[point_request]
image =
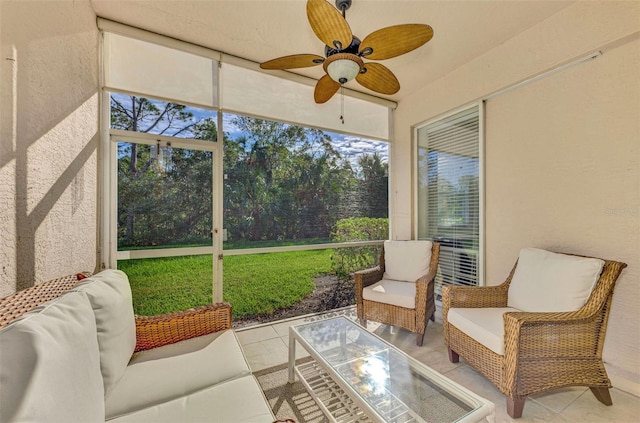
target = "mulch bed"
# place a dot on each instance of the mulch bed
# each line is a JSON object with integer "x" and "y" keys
{"x": 329, "y": 293}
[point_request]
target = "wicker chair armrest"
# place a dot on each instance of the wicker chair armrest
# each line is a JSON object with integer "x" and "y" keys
{"x": 362, "y": 279}
{"x": 475, "y": 296}
{"x": 164, "y": 329}
{"x": 550, "y": 334}
{"x": 427, "y": 277}
{"x": 523, "y": 318}
{"x": 367, "y": 277}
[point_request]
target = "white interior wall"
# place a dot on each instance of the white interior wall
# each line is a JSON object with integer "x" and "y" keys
{"x": 562, "y": 154}
{"x": 49, "y": 139}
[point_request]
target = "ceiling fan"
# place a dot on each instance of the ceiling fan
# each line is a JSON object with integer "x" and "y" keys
{"x": 344, "y": 52}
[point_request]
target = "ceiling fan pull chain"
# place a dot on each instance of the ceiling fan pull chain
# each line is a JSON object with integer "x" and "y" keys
{"x": 342, "y": 104}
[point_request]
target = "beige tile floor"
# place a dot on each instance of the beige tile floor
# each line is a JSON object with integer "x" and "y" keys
{"x": 267, "y": 345}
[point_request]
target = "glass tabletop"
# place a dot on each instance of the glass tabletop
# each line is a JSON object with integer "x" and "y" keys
{"x": 394, "y": 385}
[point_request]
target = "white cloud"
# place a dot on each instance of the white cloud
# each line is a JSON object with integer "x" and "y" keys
{"x": 351, "y": 147}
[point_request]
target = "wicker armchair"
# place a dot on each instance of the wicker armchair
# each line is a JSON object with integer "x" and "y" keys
{"x": 542, "y": 350}
{"x": 151, "y": 331}
{"x": 412, "y": 319}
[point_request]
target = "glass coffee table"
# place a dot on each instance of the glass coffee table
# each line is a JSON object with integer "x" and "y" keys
{"x": 357, "y": 376}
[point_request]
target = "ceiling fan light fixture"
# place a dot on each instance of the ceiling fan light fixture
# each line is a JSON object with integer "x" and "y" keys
{"x": 343, "y": 67}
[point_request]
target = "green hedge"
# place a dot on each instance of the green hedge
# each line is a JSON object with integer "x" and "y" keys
{"x": 345, "y": 261}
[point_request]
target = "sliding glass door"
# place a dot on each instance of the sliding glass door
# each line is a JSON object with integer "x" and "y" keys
{"x": 449, "y": 194}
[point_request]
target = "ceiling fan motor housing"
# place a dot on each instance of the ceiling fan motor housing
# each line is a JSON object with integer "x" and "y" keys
{"x": 351, "y": 48}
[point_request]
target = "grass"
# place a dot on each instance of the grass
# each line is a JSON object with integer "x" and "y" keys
{"x": 253, "y": 284}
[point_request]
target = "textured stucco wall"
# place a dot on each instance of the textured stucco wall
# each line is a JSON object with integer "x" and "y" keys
{"x": 49, "y": 139}
{"x": 562, "y": 154}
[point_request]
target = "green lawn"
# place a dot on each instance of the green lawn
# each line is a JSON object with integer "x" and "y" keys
{"x": 253, "y": 284}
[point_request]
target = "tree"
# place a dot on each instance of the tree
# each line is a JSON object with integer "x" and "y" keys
{"x": 284, "y": 181}
{"x": 161, "y": 189}
{"x": 374, "y": 183}
{"x": 367, "y": 193}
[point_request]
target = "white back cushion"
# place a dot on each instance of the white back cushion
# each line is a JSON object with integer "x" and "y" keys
{"x": 110, "y": 296}
{"x": 545, "y": 281}
{"x": 406, "y": 260}
{"x": 50, "y": 364}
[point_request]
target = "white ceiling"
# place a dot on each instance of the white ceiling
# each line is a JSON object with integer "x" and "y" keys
{"x": 260, "y": 30}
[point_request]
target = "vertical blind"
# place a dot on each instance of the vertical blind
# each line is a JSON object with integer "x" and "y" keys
{"x": 448, "y": 194}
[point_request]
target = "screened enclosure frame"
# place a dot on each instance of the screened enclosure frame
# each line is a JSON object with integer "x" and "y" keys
{"x": 107, "y": 153}
{"x": 162, "y": 141}
{"x": 480, "y": 262}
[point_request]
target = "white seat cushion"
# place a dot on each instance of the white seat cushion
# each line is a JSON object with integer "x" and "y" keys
{"x": 485, "y": 325}
{"x": 173, "y": 371}
{"x": 239, "y": 400}
{"x": 110, "y": 296}
{"x": 545, "y": 281}
{"x": 387, "y": 291}
{"x": 50, "y": 364}
{"x": 406, "y": 260}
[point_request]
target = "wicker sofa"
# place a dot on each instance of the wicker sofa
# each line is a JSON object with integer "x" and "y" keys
{"x": 80, "y": 355}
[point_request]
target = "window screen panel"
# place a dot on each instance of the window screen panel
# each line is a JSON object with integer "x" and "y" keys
{"x": 291, "y": 185}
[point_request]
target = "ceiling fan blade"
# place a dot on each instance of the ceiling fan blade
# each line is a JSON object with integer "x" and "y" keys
{"x": 325, "y": 89}
{"x": 378, "y": 78}
{"x": 395, "y": 40}
{"x": 328, "y": 24}
{"x": 293, "y": 62}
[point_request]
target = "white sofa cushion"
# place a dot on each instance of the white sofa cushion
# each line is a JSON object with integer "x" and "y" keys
{"x": 50, "y": 364}
{"x": 173, "y": 371}
{"x": 387, "y": 291}
{"x": 485, "y": 325}
{"x": 235, "y": 401}
{"x": 545, "y": 281}
{"x": 110, "y": 296}
{"x": 406, "y": 260}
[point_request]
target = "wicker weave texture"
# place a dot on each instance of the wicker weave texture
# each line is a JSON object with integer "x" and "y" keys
{"x": 164, "y": 329}
{"x": 151, "y": 331}
{"x": 542, "y": 350}
{"x": 21, "y": 302}
{"x": 414, "y": 320}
